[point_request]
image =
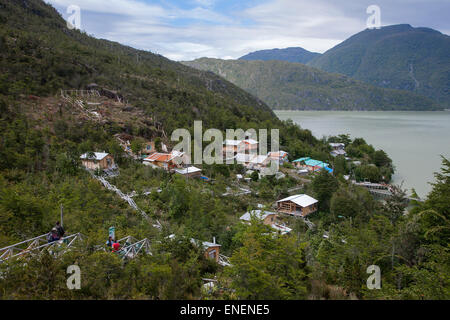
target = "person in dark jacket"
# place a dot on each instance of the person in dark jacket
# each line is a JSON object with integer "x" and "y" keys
{"x": 60, "y": 230}
{"x": 53, "y": 235}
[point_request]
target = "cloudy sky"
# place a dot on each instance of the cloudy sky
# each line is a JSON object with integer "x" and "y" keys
{"x": 228, "y": 29}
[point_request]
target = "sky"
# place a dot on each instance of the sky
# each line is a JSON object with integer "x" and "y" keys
{"x": 228, "y": 29}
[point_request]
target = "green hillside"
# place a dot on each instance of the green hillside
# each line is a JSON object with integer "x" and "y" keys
{"x": 43, "y": 133}
{"x": 293, "y": 86}
{"x": 40, "y": 55}
{"x": 398, "y": 57}
{"x": 295, "y": 54}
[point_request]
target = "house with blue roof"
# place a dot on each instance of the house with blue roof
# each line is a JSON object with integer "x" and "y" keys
{"x": 312, "y": 165}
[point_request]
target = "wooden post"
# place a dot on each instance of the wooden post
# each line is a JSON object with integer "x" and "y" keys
{"x": 62, "y": 213}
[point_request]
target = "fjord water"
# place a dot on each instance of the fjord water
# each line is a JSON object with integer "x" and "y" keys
{"x": 414, "y": 140}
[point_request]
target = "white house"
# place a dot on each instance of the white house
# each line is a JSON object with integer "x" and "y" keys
{"x": 190, "y": 172}
{"x": 338, "y": 149}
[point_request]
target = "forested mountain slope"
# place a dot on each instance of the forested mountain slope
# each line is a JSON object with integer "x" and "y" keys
{"x": 43, "y": 134}
{"x": 40, "y": 55}
{"x": 284, "y": 85}
{"x": 398, "y": 57}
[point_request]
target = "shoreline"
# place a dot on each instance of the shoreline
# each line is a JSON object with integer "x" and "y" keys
{"x": 335, "y": 110}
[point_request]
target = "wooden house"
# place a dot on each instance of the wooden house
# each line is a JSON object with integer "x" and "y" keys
{"x": 189, "y": 172}
{"x": 312, "y": 165}
{"x": 97, "y": 161}
{"x": 148, "y": 147}
{"x": 248, "y": 145}
{"x": 230, "y": 147}
{"x": 267, "y": 217}
{"x": 212, "y": 250}
{"x": 166, "y": 161}
{"x": 297, "y": 205}
{"x": 280, "y": 156}
{"x": 338, "y": 149}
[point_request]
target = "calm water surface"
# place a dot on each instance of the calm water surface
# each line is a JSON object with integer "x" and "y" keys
{"x": 414, "y": 140}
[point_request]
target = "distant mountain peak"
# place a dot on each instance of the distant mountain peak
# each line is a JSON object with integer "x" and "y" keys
{"x": 291, "y": 54}
{"x": 397, "y": 57}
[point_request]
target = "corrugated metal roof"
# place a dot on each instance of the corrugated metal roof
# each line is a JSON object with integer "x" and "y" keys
{"x": 337, "y": 145}
{"x": 250, "y": 141}
{"x": 313, "y": 163}
{"x": 280, "y": 154}
{"x": 302, "y": 200}
{"x": 244, "y": 157}
{"x": 188, "y": 170}
{"x": 159, "y": 157}
{"x": 259, "y": 159}
{"x": 97, "y": 156}
{"x": 281, "y": 228}
{"x": 163, "y": 157}
{"x": 232, "y": 142}
{"x": 259, "y": 214}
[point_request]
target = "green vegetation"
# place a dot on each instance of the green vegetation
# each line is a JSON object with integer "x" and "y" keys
{"x": 295, "y": 54}
{"x": 397, "y": 57}
{"x": 40, "y": 170}
{"x": 374, "y": 165}
{"x": 39, "y": 56}
{"x": 293, "y": 86}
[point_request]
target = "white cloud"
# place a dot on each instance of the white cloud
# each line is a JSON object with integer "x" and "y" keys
{"x": 205, "y": 3}
{"x": 185, "y": 34}
{"x": 132, "y": 8}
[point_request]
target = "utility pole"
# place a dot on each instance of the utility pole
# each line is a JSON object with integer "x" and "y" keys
{"x": 62, "y": 213}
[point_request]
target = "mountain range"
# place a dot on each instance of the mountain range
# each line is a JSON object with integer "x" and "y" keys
{"x": 413, "y": 61}
{"x": 294, "y": 86}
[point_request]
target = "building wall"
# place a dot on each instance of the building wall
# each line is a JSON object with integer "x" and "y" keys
{"x": 213, "y": 253}
{"x": 193, "y": 174}
{"x": 149, "y": 150}
{"x": 247, "y": 147}
{"x": 291, "y": 208}
{"x": 102, "y": 164}
{"x": 270, "y": 219}
{"x": 309, "y": 210}
{"x": 231, "y": 149}
{"x": 165, "y": 165}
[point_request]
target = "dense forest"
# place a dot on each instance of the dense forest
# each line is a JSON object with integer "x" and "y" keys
{"x": 42, "y": 137}
{"x": 397, "y": 57}
{"x": 295, "y": 86}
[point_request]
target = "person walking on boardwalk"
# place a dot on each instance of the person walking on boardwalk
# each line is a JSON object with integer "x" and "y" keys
{"x": 60, "y": 230}
{"x": 52, "y": 235}
{"x": 110, "y": 242}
